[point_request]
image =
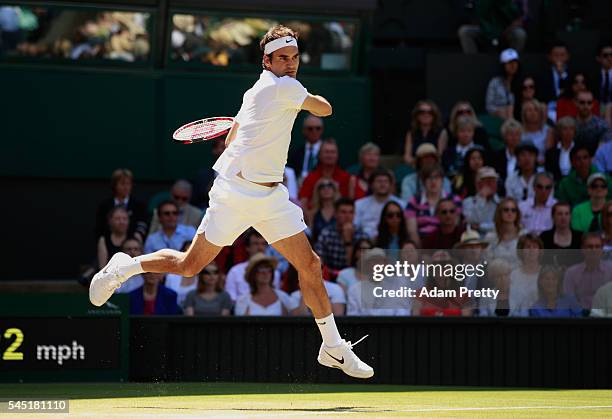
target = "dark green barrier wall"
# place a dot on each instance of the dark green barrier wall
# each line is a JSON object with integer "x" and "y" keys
{"x": 83, "y": 123}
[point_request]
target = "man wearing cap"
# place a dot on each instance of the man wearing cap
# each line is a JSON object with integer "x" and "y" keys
{"x": 500, "y": 99}
{"x": 479, "y": 210}
{"x": 587, "y": 216}
{"x": 519, "y": 185}
{"x": 426, "y": 156}
{"x": 573, "y": 187}
{"x": 535, "y": 211}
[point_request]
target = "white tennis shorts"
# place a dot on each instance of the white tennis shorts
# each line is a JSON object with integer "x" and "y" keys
{"x": 237, "y": 204}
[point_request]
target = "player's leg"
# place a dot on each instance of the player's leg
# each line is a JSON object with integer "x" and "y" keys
{"x": 189, "y": 263}
{"x": 121, "y": 266}
{"x": 334, "y": 352}
{"x": 297, "y": 250}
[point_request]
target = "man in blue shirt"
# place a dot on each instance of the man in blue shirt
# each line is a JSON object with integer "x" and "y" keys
{"x": 172, "y": 235}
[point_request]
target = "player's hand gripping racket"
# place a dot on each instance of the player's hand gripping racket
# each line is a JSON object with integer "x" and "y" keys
{"x": 203, "y": 130}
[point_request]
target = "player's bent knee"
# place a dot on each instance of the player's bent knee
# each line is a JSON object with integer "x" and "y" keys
{"x": 189, "y": 267}
{"x": 310, "y": 265}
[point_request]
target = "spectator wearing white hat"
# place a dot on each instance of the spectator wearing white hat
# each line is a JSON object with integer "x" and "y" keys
{"x": 500, "y": 97}
{"x": 479, "y": 210}
{"x": 426, "y": 156}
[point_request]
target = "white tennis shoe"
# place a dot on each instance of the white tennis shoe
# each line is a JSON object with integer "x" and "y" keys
{"x": 105, "y": 282}
{"x": 343, "y": 357}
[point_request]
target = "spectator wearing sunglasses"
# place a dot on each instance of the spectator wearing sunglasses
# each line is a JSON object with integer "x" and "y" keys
{"x": 535, "y": 211}
{"x": 590, "y": 129}
{"x": 322, "y": 212}
{"x": 209, "y": 298}
{"x": 574, "y": 84}
{"x": 188, "y": 214}
{"x": 368, "y": 210}
{"x": 464, "y": 108}
{"x": 172, "y": 234}
{"x": 503, "y": 240}
{"x": 425, "y": 127}
{"x": 305, "y": 158}
{"x": 449, "y": 230}
{"x": 586, "y": 217}
{"x": 392, "y": 232}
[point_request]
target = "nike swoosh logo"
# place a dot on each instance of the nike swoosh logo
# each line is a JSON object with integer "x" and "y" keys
{"x": 339, "y": 360}
{"x": 288, "y": 41}
{"x": 322, "y": 323}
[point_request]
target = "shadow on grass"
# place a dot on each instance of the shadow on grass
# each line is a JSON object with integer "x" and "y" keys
{"x": 129, "y": 390}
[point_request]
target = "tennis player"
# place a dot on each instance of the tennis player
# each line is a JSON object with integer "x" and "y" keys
{"x": 248, "y": 192}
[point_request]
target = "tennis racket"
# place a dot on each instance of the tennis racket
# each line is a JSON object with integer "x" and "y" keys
{"x": 203, "y": 130}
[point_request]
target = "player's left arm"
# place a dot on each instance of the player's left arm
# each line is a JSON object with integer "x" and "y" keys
{"x": 317, "y": 105}
{"x": 232, "y": 133}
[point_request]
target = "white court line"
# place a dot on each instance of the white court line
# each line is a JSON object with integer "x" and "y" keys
{"x": 454, "y": 409}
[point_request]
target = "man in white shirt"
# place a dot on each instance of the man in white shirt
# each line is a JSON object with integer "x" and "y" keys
{"x": 535, "y": 211}
{"x": 369, "y": 208}
{"x": 248, "y": 193}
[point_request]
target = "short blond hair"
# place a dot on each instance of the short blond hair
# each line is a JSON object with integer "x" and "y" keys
{"x": 510, "y": 124}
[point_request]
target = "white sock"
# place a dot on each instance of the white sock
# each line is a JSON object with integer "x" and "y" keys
{"x": 329, "y": 331}
{"x": 132, "y": 268}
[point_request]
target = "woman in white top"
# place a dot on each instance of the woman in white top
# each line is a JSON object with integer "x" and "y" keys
{"x": 524, "y": 278}
{"x": 503, "y": 240}
{"x": 264, "y": 299}
{"x": 535, "y": 129}
{"x": 353, "y": 274}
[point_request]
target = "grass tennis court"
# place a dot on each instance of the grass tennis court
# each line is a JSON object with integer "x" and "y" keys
{"x": 224, "y": 400}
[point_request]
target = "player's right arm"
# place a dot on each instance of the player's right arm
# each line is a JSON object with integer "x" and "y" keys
{"x": 317, "y": 105}
{"x": 232, "y": 133}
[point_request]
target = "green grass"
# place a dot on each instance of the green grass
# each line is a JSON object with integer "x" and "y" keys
{"x": 224, "y": 400}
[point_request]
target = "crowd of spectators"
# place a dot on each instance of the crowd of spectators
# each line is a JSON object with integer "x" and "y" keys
{"x": 75, "y": 34}
{"x": 461, "y": 197}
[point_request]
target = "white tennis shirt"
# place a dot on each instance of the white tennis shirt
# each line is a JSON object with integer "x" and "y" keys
{"x": 266, "y": 117}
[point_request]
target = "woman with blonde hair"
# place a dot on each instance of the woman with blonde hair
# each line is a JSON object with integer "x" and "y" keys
{"x": 322, "y": 212}
{"x": 465, "y": 108}
{"x": 425, "y": 127}
{"x": 503, "y": 240}
{"x": 535, "y": 128}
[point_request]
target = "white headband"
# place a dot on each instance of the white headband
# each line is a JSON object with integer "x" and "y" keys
{"x": 280, "y": 43}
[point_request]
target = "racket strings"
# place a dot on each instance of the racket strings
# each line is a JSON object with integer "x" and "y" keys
{"x": 204, "y": 129}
